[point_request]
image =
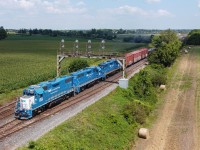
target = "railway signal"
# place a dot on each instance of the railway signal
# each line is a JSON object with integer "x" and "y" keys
{"x": 102, "y": 55}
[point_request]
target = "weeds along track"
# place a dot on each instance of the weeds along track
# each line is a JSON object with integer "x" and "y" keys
{"x": 16, "y": 125}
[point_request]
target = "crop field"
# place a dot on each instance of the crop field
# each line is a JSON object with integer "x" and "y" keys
{"x": 29, "y": 60}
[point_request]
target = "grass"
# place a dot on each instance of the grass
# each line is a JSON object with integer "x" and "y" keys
{"x": 97, "y": 127}
{"x": 196, "y": 53}
{"x": 27, "y": 60}
{"x": 100, "y": 126}
{"x": 197, "y": 95}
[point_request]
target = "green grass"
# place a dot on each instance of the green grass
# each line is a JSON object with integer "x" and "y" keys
{"x": 98, "y": 127}
{"x": 102, "y": 125}
{"x": 27, "y": 60}
{"x": 197, "y": 96}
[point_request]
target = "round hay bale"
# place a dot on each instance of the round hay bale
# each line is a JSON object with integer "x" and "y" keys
{"x": 143, "y": 133}
{"x": 186, "y": 51}
{"x": 162, "y": 87}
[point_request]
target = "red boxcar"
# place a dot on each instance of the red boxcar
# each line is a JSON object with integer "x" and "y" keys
{"x": 135, "y": 56}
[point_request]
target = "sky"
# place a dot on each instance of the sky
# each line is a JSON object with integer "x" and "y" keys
{"x": 100, "y": 14}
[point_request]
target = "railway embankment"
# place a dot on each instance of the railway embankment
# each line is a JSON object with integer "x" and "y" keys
{"x": 36, "y": 127}
{"x": 112, "y": 122}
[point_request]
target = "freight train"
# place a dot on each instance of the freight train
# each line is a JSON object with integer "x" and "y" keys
{"x": 37, "y": 98}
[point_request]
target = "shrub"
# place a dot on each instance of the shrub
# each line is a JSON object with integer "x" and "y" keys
{"x": 77, "y": 65}
{"x": 142, "y": 84}
{"x": 136, "y": 112}
{"x": 158, "y": 79}
{"x": 157, "y": 74}
{"x": 31, "y": 144}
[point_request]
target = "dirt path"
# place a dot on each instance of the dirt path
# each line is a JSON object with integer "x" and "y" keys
{"x": 177, "y": 125}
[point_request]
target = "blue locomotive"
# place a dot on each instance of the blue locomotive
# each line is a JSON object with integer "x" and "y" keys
{"x": 37, "y": 98}
{"x": 110, "y": 67}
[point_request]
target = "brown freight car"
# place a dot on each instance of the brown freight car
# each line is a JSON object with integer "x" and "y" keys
{"x": 135, "y": 56}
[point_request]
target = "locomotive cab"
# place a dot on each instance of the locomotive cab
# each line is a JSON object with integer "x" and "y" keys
{"x": 23, "y": 109}
{"x": 24, "y": 106}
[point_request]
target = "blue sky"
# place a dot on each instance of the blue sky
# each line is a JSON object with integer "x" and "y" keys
{"x": 100, "y": 14}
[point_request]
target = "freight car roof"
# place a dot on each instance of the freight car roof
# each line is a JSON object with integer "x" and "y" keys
{"x": 134, "y": 52}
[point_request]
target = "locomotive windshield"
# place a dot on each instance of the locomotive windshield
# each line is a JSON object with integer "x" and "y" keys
{"x": 28, "y": 92}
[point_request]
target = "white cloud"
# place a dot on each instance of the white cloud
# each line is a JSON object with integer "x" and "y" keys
{"x": 162, "y": 12}
{"x": 199, "y": 4}
{"x": 26, "y": 4}
{"x": 132, "y": 10}
{"x": 126, "y": 9}
{"x": 153, "y": 1}
{"x": 49, "y": 6}
{"x": 53, "y": 10}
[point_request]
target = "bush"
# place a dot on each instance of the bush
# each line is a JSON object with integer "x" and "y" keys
{"x": 31, "y": 144}
{"x": 142, "y": 84}
{"x": 158, "y": 79}
{"x": 77, "y": 65}
{"x": 126, "y": 93}
{"x": 193, "y": 37}
{"x": 136, "y": 112}
{"x": 158, "y": 75}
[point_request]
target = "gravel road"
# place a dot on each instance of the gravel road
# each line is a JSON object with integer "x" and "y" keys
{"x": 177, "y": 125}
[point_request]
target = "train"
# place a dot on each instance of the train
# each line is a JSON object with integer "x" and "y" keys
{"x": 37, "y": 98}
{"x": 135, "y": 56}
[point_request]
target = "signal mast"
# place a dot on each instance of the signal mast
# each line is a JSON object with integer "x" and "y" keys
{"x": 76, "y": 53}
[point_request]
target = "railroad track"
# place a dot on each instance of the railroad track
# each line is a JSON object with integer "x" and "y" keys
{"x": 16, "y": 125}
{"x": 7, "y": 110}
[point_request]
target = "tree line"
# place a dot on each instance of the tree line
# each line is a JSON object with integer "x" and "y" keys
{"x": 93, "y": 33}
{"x": 138, "y": 39}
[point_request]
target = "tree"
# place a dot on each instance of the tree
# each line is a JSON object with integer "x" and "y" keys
{"x": 78, "y": 64}
{"x": 142, "y": 86}
{"x": 167, "y": 47}
{"x": 3, "y": 33}
{"x": 193, "y": 38}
